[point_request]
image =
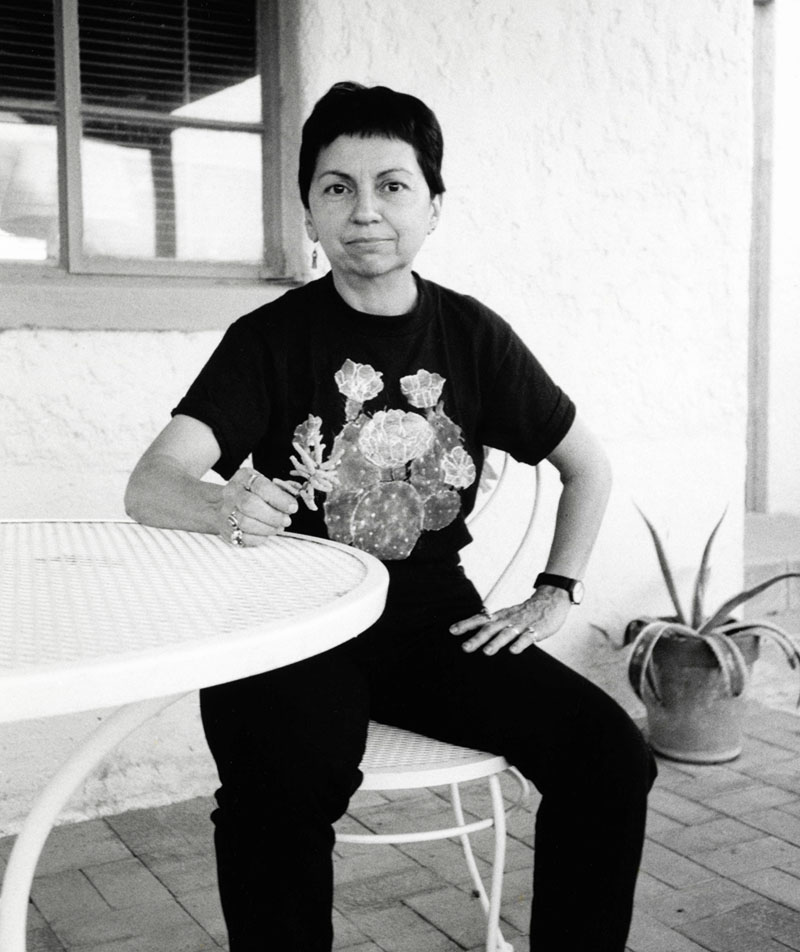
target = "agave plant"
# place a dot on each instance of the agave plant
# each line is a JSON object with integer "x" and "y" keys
{"x": 715, "y": 630}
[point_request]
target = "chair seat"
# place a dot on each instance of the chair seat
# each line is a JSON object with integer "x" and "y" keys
{"x": 397, "y": 759}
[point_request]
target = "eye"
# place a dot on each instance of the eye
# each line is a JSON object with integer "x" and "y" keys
{"x": 337, "y": 188}
{"x": 394, "y": 187}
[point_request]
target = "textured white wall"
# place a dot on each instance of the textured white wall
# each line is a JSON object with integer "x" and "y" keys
{"x": 598, "y": 169}
{"x": 78, "y": 408}
{"x": 783, "y": 493}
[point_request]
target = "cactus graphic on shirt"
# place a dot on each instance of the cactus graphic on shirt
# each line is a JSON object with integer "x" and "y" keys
{"x": 391, "y": 475}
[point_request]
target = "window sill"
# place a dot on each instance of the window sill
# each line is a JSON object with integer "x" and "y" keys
{"x": 50, "y": 298}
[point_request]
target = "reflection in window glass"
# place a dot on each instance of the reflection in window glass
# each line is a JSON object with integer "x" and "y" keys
{"x": 28, "y": 177}
{"x": 190, "y": 194}
{"x": 218, "y": 180}
{"x": 28, "y": 190}
{"x": 118, "y": 205}
{"x": 218, "y": 195}
{"x": 163, "y": 54}
{"x": 168, "y": 115}
{"x": 151, "y": 188}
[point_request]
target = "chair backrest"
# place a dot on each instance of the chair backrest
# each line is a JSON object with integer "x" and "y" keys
{"x": 496, "y": 494}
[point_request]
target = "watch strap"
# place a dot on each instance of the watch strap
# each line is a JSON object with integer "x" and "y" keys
{"x": 559, "y": 581}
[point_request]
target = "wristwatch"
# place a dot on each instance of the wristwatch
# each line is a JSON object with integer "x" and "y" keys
{"x": 573, "y": 586}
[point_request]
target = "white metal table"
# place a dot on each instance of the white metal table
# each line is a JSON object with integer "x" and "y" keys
{"x": 114, "y": 614}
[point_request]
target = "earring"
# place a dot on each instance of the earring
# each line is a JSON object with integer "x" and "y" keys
{"x": 314, "y": 259}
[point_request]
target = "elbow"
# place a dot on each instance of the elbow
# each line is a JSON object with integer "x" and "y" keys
{"x": 131, "y": 501}
{"x": 136, "y": 495}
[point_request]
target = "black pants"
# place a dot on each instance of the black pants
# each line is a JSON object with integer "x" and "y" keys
{"x": 288, "y": 743}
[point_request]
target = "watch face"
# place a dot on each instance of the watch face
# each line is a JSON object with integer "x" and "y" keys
{"x": 577, "y": 593}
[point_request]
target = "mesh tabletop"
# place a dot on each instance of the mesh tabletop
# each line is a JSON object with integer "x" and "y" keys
{"x": 82, "y": 598}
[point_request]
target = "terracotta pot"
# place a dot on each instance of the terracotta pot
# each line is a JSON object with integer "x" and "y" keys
{"x": 696, "y": 721}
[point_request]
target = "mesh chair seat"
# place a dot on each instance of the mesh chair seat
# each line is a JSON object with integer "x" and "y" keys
{"x": 397, "y": 759}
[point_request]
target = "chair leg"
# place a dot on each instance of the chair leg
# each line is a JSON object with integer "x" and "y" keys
{"x": 491, "y": 905}
{"x": 494, "y": 937}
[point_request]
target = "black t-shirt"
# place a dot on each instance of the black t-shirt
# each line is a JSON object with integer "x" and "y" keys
{"x": 404, "y": 404}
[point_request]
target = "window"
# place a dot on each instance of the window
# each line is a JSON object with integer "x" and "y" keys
{"x": 139, "y": 136}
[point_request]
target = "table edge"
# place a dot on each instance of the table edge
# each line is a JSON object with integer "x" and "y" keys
{"x": 74, "y": 687}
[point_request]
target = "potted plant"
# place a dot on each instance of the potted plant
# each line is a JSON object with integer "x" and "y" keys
{"x": 691, "y": 670}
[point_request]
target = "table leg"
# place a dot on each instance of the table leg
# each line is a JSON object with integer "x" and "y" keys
{"x": 31, "y": 838}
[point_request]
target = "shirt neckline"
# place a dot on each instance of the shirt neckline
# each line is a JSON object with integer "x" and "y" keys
{"x": 381, "y": 325}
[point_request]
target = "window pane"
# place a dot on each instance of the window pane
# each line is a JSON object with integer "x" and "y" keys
{"x": 28, "y": 190}
{"x": 28, "y": 175}
{"x": 218, "y": 195}
{"x": 164, "y": 54}
{"x": 117, "y": 174}
{"x": 188, "y": 194}
{"x": 27, "y": 55}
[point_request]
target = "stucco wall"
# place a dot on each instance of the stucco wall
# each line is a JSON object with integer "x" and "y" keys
{"x": 783, "y": 492}
{"x": 598, "y": 170}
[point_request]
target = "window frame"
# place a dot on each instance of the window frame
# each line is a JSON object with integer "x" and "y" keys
{"x": 67, "y": 112}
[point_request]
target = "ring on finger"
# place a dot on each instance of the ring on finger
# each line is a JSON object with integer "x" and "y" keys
{"x": 250, "y": 481}
{"x": 236, "y": 537}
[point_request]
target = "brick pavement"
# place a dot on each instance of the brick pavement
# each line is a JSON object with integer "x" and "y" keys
{"x": 721, "y": 869}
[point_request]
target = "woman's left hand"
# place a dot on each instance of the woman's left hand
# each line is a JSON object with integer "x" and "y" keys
{"x": 517, "y": 627}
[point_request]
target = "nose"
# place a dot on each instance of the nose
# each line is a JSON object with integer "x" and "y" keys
{"x": 366, "y": 207}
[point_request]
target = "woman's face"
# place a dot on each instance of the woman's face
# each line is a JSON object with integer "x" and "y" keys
{"x": 370, "y": 206}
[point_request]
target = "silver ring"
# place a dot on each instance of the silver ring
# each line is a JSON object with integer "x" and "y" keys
{"x": 236, "y": 537}
{"x": 250, "y": 481}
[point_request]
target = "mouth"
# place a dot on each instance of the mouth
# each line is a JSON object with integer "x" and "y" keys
{"x": 366, "y": 242}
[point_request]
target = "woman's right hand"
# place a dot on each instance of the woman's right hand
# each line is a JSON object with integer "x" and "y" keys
{"x": 253, "y": 508}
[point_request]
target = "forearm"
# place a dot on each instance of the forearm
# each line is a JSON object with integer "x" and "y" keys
{"x": 167, "y": 489}
{"x": 581, "y": 508}
{"x": 162, "y": 493}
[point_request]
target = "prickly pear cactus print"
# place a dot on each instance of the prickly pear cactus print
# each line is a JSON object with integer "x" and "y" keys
{"x": 391, "y": 475}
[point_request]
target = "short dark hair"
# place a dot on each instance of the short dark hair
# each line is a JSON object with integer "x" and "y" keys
{"x": 350, "y": 109}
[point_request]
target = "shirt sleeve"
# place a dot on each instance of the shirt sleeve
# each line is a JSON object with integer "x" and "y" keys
{"x": 524, "y": 413}
{"x": 230, "y": 395}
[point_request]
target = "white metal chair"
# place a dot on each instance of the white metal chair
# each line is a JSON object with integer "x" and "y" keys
{"x": 397, "y": 759}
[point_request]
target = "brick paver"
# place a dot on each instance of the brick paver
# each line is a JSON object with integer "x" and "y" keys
{"x": 399, "y": 928}
{"x": 720, "y": 872}
{"x": 780, "y": 822}
{"x": 741, "y": 858}
{"x": 761, "y": 926}
{"x": 691, "y": 840}
{"x": 675, "y": 907}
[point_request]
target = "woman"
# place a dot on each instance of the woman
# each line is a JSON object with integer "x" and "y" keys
{"x": 367, "y": 397}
